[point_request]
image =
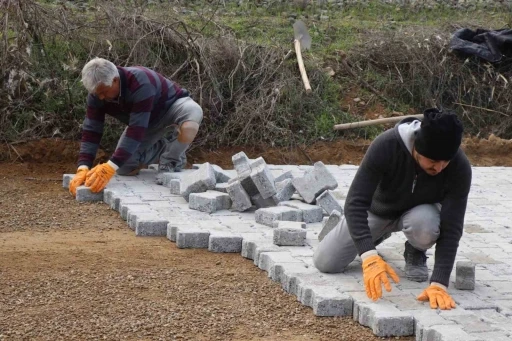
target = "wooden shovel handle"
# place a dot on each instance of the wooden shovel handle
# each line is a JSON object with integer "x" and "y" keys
{"x": 372, "y": 122}
{"x": 302, "y": 69}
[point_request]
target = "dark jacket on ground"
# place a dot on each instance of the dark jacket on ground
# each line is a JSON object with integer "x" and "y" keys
{"x": 383, "y": 185}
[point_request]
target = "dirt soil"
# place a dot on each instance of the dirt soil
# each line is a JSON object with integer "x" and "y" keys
{"x": 491, "y": 151}
{"x": 74, "y": 271}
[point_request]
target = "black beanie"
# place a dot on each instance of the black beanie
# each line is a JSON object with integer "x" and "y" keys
{"x": 440, "y": 135}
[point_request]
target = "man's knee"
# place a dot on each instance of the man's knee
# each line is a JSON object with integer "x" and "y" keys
{"x": 421, "y": 226}
{"x": 188, "y": 131}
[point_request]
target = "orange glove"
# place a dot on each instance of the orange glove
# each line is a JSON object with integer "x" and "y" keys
{"x": 375, "y": 271}
{"x": 78, "y": 179}
{"x": 99, "y": 176}
{"x": 438, "y": 297}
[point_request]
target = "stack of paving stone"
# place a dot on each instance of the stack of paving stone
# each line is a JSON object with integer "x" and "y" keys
{"x": 252, "y": 185}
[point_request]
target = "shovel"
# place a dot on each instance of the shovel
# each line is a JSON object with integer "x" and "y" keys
{"x": 302, "y": 42}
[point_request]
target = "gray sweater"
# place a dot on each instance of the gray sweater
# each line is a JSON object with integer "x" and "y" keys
{"x": 383, "y": 185}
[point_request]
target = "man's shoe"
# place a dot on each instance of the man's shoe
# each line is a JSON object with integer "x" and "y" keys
{"x": 167, "y": 168}
{"x": 415, "y": 264}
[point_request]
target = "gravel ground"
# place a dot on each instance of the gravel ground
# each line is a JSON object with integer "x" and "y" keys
{"x": 72, "y": 271}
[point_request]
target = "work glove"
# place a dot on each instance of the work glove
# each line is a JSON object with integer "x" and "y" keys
{"x": 78, "y": 179}
{"x": 438, "y": 297}
{"x": 99, "y": 176}
{"x": 375, "y": 271}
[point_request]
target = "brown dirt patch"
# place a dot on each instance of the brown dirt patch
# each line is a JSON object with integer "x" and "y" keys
{"x": 74, "y": 271}
{"x": 63, "y": 154}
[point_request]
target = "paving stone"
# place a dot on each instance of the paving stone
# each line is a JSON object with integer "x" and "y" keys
{"x": 241, "y": 163}
{"x": 285, "y": 190}
{"x": 239, "y": 197}
{"x": 327, "y": 301}
{"x": 328, "y": 202}
{"x": 471, "y": 323}
{"x": 151, "y": 226}
{"x": 426, "y": 318}
{"x": 259, "y": 202}
{"x": 315, "y": 182}
{"x": 464, "y": 275}
{"x": 66, "y": 179}
{"x": 263, "y": 180}
{"x": 289, "y": 224}
{"x": 224, "y": 242}
{"x": 470, "y": 301}
{"x": 289, "y": 275}
{"x": 221, "y": 175}
{"x": 289, "y": 236}
{"x": 263, "y": 247}
{"x": 137, "y": 212}
{"x": 175, "y": 186}
{"x": 192, "y": 239}
{"x": 447, "y": 333}
{"x": 267, "y": 216}
{"x": 199, "y": 181}
{"x": 84, "y": 194}
{"x": 249, "y": 246}
{"x": 310, "y": 213}
{"x": 116, "y": 197}
{"x": 129, "y": 203}
{"x": 384, "y": 319}
{"x": 209, "y": 201}
{"x": 222, "y": 187}
{"x": 248, "y": 184}
{"x": 329, "y": 223}
{"x": 269, "y": 260}
{"x": 283, "y": 176}
{"x": 494, "y": 336}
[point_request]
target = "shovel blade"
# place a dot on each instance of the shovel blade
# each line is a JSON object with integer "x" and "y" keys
{"x": 301, "y": 34}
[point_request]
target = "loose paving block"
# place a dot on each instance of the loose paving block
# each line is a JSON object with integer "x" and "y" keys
{"x": 84, "y": 194}
{"x": 241, "y": 163}
{"x": 286, "y": 236}
{"x": 151, "y": 227}
{"x": 175, "y": 186}
{"x": 239, "y": 197}
{"x": 267, "y": 216}
{"x": 263, "y": 179}
{"x": 248, "y": 183}
{"x": 259, "y": 202}
{"x": 209, "y": 201}
{"x": 465, "y": 275}
{"x": 315, "y": 182}
{"x": 328, "y": 202}
{"x": 330, "y": 223}
{"x": 198, "y": 181}
{"x": 284, "y": 176}
{"x": 192, "y": 239}
{"x": 327, "y": 301}
{"x": 310, "y": 213}
{"x": 285, "y": 190}
{"x": 222, "y": 187}
{"x": 221, "y": 175}
{"x": 66, "y": 179}
{"x": 224, "y": 242}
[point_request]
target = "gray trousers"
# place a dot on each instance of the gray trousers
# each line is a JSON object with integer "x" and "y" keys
{"x": 420, "y": 225}
{"x": 158, "y": 140}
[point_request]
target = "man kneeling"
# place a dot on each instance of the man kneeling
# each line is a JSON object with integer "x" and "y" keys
{"x": 414, "y": 179}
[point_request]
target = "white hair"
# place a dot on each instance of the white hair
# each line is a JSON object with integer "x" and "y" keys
{"x": 98, "y": 71}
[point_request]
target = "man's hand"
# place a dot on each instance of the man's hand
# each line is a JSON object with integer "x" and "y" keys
{"x": 438, "y": 297}
{"x": 78, "y": 179}
{"x": 375, "y": 271}
{"x": 99, "y": 176}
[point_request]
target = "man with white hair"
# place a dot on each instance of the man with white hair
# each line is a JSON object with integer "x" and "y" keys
{"x": 162, "y": 120}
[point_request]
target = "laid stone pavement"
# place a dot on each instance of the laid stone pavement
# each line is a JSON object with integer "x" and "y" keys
{"x": 481, "y": 314}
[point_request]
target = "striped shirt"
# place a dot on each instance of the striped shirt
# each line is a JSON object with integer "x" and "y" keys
{"x": 145, "y": 97}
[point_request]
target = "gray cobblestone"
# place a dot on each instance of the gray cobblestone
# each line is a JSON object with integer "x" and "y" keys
{"x": 465, "y": 275}
{"x": 66, "y": 179}
{"x": 151, "y": 226}
{"x": 263, "y": 180}
{"x": 289, "y": 236}
{"x": 310, "y": 213}
{"x": 199, "y": 181}
{"x": 84, "y": 194}
{"x": 224, "y": 242}
{"x": 315, "y": 182}
{"x": 328, "y": 202}
{"x": 327, "y": 301}
{"x": 267, "y": 216}
{"x": 209, "y": 201}
{"x": 192, "y": 239}
{"x": 329, "y": 223}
